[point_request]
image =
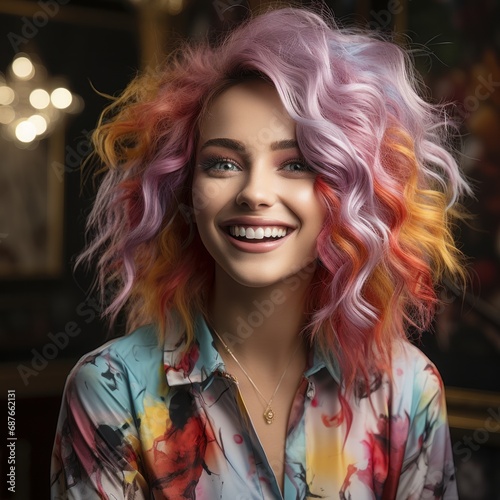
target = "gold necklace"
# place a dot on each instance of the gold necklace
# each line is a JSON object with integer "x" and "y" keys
{"x": 268, "y": 411}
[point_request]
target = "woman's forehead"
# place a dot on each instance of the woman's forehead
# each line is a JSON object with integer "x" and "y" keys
{"x": 249, "y": 112}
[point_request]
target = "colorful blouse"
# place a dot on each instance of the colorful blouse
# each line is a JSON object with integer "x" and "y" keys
{"x": 141, "y": 422}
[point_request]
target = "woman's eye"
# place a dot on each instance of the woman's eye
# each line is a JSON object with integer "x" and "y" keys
{"x": 220, "y": 165}
{"x": 296, "y": 166}
{"x": 224, "y": 165}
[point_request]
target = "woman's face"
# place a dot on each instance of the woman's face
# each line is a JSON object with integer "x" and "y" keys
{"x": 253, "y": 196}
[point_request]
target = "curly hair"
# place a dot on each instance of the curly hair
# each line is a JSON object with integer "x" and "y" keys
{"x": 384, "y": 173}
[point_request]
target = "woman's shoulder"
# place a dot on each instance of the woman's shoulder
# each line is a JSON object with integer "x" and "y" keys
{"x": 115, "y": 365}
{"x": 410, "y": 361}
{"x": 415, "y": 377}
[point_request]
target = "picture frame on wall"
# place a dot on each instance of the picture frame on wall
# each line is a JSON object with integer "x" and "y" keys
{"x": 32, "y": 208}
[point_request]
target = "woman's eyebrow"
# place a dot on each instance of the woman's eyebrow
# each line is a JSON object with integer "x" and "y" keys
{"x": 240, "y": 147}
{"x": 286, "y": 144}
{"x": 225, "y": 143}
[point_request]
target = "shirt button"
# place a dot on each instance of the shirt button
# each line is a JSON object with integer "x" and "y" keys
{"x": 311, "y": 390}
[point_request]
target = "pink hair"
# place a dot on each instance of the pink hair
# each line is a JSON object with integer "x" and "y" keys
{"x": 384, "y": 174}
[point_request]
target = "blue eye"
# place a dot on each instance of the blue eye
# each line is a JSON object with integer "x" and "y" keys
{"x": 296, "y": 166}
{"x": 224, "y": 165}
{"x": 219, "y": 165}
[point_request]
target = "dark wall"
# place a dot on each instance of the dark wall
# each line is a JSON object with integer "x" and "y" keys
{"x": 90, "y": 54}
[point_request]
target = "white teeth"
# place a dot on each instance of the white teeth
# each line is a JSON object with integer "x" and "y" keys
{"x": 258, "y": 233}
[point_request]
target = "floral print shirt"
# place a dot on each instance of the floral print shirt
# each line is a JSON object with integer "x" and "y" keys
{"x": 141, "y": 422}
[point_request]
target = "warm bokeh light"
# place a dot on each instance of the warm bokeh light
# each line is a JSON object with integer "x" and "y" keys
{"x": 32, "y": 104}
{"x": 23, "y": 68}
{"x": 7, "y": 115}
{"x": 7, "y": 95}
{"x": 39, "y": 99}
{"x": 61, "y": 98}
{"x": 39, "y": 122}
{"x": 25, "y": 131}
{"x": 175, "y": 6}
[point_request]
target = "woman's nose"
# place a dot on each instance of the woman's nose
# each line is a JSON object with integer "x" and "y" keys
{"x": 258, "y": 189}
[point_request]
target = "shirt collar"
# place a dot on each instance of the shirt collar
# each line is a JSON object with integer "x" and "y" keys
{"x": 319, "y": 362}
{"x": 196, "y": 364}
{"x": 202, "y": 359}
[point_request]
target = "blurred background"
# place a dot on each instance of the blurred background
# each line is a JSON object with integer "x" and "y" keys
{"x": 58, "y": 60}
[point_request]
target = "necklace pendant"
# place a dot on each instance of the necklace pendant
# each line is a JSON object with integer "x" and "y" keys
{"x": 269, "y": 415}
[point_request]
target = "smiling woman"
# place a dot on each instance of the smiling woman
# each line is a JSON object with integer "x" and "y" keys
{"x": 274, "y": 217}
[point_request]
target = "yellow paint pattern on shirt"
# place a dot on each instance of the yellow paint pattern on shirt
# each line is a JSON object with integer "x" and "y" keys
{"x": 154, "y": 421}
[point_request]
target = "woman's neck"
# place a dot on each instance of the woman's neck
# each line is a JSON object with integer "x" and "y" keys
{"x": 259, "y": 323}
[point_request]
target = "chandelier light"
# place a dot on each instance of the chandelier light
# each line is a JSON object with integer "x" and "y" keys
{"x": 31, "y": 103}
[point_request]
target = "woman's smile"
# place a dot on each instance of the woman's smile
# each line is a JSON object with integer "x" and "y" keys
{"x": 261, "y": 244}
{"x": 256, "y": 235}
